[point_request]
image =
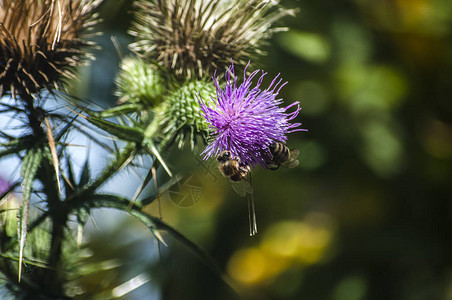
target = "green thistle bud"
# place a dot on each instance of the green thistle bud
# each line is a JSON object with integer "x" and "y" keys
{"x": 180, "y": 118}
{"x": 41, "y": 44}
{"x": 139, "y": 83}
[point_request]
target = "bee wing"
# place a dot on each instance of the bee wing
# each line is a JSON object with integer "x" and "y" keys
{"x": 293, "y": 154}
{"x": 241, "y": 187}
{"x": 290, "y": 163}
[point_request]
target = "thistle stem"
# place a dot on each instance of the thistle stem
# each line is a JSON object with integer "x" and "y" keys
{"x": 52, "y": 279}
{"x": 34, "y": 115}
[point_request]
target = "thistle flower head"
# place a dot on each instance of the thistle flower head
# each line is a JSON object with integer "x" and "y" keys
{"x": 246, "y": 120}
{"x": 139, "y": 82}
{"x": 40, "y": 43}
{"x": 195, "y": 37}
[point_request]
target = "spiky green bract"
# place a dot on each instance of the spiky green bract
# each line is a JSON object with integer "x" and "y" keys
{"x": 196, "y": 37}
{"x": 41, "y": 44}
{"x": 139, "y": 83}
{"x": 180, "y": 118}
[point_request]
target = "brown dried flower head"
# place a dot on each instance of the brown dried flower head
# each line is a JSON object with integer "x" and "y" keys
{"x": 40, "y": 43}
{"x": 196, "y": 37}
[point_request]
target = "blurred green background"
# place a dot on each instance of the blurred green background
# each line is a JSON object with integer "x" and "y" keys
{"x": 366, "y": 215}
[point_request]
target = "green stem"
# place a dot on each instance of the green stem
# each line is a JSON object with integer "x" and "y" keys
{"x": 35, "y": 115}
{"x": 52, "y": 278}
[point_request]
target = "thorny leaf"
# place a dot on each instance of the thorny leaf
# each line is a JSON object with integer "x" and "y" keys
{"x": 123, "y": 132}
{"x": 118, "y": 110}
{"x": 30, "y": 166}
{"x": 15, "y": 146}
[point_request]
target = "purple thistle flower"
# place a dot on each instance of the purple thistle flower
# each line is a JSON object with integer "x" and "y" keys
{"x": 4, "y": 185}
{"x": 246, "y": 120}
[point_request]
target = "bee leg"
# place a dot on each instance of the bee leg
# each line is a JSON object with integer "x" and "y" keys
{"x": 245, "y": 169}
{"x": 273, "y": 167}
{"x": 251, "y": 212}
{"x": 252, "y": 215}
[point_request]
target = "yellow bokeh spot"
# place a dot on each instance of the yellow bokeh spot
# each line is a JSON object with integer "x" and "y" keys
{"x": 253, "y": 266}
{"x": 285, "y": 244}
{"x": 282, "y": 240}
{"x": 303, "y": 241}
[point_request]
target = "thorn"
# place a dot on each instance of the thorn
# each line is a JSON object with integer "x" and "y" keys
{"x": 56, "y": 163}
{"x": 159, "y": 236}
{"x": 79, "y": 235}
{"x": 21, "y": 257}
{"x": 78, "y": 114}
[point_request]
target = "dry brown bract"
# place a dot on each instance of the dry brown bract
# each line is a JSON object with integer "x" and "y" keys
{"x": 40, "y": 43}
{"x": 196, "y": 37}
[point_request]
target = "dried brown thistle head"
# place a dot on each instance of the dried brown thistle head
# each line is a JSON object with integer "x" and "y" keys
{"x": 40, "y": 43}
{"x": 196, "y": 37}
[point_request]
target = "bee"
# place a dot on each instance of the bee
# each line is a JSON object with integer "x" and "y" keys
{"x": 236, "y": 173}
{"x": 282, "y": 156}
{"x": 240, "y": 178}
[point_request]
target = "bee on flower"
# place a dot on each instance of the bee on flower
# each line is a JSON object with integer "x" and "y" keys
{"x": 249, "y": 128}
{"x": 247, "y": 120}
